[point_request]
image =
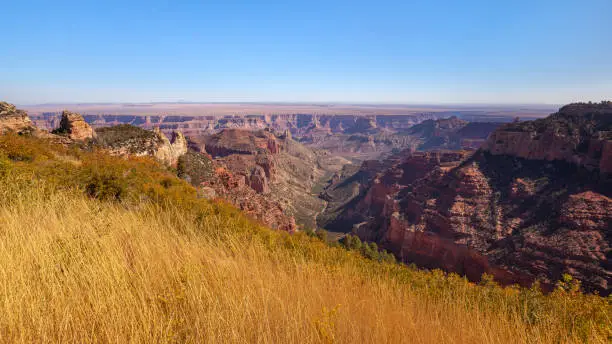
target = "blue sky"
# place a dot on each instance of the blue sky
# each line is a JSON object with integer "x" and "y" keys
{"x": 536, "y": 51}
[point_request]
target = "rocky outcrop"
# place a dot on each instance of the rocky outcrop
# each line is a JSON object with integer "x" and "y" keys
{"x": 237, "y": 141}
{"x": 251, "y": 154}
{"x": 131, "y": 140}
{"x": 272, "y": 165}
{"x": 265, "y": 209}
{"x": 258, "y": 180}
{"x": 169, "y": 151}
{"x": 74, "y": 126}
{"x": 14, "y": 120}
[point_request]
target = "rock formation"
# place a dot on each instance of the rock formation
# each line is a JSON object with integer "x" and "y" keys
{"x": 75, "y": 127}
{"x": 130, "y": 140}
{"x": 170, "y": 150}
{"x": 276, "y": 166}
{"x": 579, "y": 133}
{"x": 363, "y": 136}
{"x": 15, "y": 120}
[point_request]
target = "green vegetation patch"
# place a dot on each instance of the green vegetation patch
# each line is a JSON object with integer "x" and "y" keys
{"x": 195, "y": 168}
{"x": 133, "y": 137}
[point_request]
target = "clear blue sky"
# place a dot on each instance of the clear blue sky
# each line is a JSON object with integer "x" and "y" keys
{"x": 514, "y": 51}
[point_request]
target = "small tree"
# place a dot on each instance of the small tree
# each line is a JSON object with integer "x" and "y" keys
{"x": 352, "y": 242}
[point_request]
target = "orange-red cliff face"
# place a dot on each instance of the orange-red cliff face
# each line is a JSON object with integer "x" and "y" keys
{"x": 519, "y": 214}
{"x": 233, "y": 188}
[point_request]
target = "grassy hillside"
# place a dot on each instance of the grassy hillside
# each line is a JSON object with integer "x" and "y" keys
{"x": 103, "y": 249}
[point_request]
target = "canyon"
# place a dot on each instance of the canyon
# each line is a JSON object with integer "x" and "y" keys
{"x": 523, "y": 201}
{"x": 353, "y": 131}
{"x": 531, "y": 205}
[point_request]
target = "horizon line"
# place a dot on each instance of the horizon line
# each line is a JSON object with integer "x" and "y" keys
{"x": 358, "y": 103}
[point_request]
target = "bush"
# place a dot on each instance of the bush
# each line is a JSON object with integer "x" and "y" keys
{"x": 351, "y": 242}
{"x": 119, "y": 135}
{"x": 106, "y": 186}
{"x": 195, "y": 168}
{"x": 368, "y": 250}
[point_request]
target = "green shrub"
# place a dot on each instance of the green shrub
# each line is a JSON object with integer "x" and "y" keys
{"x": 322, "y": 235}
{"x": 122, "y": 134}
{"x": 106, "y": 186}
{"x": 195, "y": 168}
{"x": 351, "y": 242}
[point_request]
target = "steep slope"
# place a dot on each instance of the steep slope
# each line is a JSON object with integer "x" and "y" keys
{"x": 355, "y": 198}
{"x": 214, "y": 181}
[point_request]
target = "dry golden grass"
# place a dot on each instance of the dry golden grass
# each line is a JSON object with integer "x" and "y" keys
{"x": 157, "y": 265}
{"x": 74, "y": 269}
